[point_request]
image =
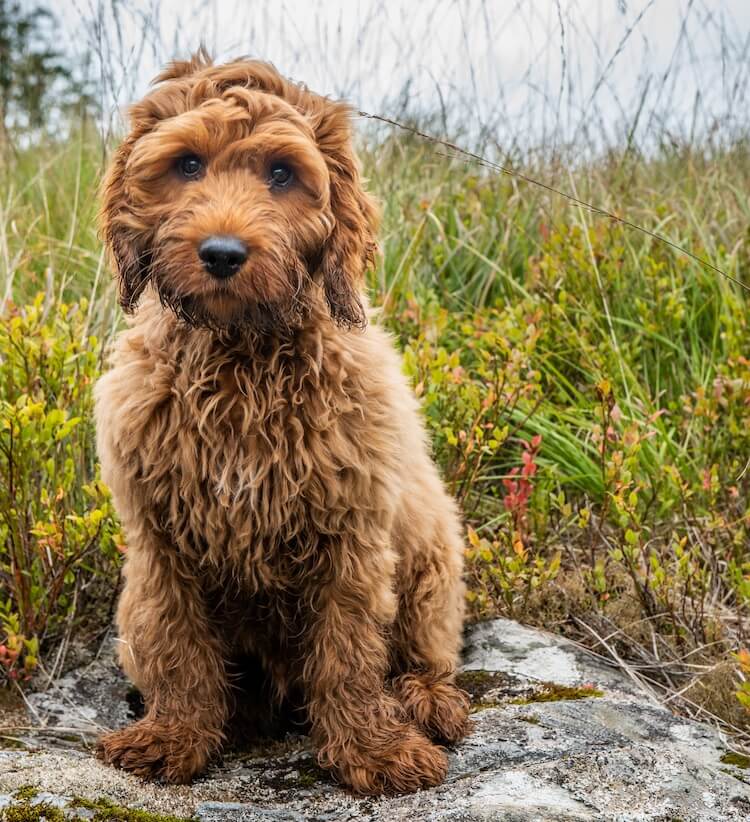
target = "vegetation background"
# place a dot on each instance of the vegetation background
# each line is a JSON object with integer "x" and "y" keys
{"x": 587, "y": 387}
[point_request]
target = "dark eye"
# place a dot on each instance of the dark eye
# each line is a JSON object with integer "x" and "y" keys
{"x": 190, "y": 166}
{"x": 280, "y": 175}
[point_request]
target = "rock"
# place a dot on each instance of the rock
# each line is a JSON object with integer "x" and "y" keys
{"x": 558, "y": 736}
{"x": 516, "y": 650}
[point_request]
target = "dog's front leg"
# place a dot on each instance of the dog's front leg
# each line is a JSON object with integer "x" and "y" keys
{"x": 360, "y": 730}
{"x": 170, "y": 651}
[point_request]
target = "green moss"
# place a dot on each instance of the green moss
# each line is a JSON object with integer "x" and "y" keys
{"x": 467, "y": 679}
{"x": 478, "y": 683}
{"x": 737, "y": 759}
{"x": 310, "y": 776}
{"x": 550, "y": 692}
{"x": 26, "y": 812}
{"x": 26, "y": 792}
{"x": 106, "y": 811}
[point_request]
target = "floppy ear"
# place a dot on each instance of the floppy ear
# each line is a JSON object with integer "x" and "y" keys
{"x": 351, "y": 247}
{"x": 122, "y": 233}
{"x": 128, "y": 251}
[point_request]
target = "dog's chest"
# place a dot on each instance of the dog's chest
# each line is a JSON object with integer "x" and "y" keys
{"x": 240, "y": 461}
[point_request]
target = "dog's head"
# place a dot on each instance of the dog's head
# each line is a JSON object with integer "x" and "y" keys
{"x": 236, "y": 194}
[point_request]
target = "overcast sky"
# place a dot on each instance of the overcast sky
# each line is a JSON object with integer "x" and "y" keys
{"x": 508, "y": 65}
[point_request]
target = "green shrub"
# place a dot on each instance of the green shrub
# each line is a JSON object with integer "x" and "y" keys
{"x": 587, "y": 391}
{"x": 596, "y": 432}
{"x": 58, "y": 533}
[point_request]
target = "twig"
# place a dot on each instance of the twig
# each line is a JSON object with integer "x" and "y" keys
{"x": 602, "y": 212}
{"x": 50, "y": 731}
{"x": 637, "y": 679}
{"x": 29, "y": 706}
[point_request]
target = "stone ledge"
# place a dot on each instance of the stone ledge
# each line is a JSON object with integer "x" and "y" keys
{"x": 558, "y": 736}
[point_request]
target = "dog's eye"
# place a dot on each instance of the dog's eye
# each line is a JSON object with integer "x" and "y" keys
{"x": 190, "y": 166}
{"x": 280, "y": 175}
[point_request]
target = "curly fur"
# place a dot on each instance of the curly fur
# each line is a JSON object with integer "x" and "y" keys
{"x": 264, "y": 451}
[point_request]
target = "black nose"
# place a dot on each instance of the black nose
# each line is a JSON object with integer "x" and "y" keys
{"x": 222, "y": 256}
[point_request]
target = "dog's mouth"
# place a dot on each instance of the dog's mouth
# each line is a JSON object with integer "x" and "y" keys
{"x": 218, "y": 307}
{"x": 269, "y": 291}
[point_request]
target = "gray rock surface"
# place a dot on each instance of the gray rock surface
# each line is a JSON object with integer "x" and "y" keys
{"x": 558, "y": 736}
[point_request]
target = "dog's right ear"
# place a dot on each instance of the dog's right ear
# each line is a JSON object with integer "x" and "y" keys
{"x": 129, "y": 255}
{"x": 126, "y": 238}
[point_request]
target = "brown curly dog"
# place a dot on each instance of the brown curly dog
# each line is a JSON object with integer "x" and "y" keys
{"x": 265, "y": 453}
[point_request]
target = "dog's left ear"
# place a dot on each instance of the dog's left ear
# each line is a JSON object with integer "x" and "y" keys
{"x": 351, "y": 247}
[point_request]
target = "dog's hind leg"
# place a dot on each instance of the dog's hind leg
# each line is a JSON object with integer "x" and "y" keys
{"x": 427, "y": 632}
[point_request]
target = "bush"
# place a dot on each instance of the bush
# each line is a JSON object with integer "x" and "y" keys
{"x": 603, "y": 472}
{"x": 58, "y": 534}
{"x": 587, "y": 391}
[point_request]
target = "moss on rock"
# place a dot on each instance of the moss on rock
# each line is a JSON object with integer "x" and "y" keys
{"x": 551, "y": 692}
{"x": 737, "y": 759}
{"x": 478, "y": 683}
{"x": 27, "y": 812}
{"x": 24, "y": 809}
{"x": 106, "y": 811}
{"x": 492, "y": 689}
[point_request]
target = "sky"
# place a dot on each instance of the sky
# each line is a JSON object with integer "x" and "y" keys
{"x": 509, "y": 68}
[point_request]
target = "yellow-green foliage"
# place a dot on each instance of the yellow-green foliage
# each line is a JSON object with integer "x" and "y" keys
{"x": 625, "y": 361}
{"x": 587, "y": 390}
{"x": 58, "y": 534}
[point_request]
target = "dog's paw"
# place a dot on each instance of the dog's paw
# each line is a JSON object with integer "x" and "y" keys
{"x": 155, "y": 750}
{"x": 436, "y": 705}
{"x": 410, "y": 765}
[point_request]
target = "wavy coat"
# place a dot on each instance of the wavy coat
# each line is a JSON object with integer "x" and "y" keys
{"x": 265, "y": 453}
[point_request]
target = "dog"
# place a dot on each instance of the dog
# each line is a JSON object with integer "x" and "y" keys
{"x": 264, "y": 451}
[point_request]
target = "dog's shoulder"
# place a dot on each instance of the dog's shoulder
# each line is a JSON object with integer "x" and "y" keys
{"x": 141, "y": 368}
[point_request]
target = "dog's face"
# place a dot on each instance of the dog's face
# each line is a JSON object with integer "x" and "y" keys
{"x": 236, "y": 194}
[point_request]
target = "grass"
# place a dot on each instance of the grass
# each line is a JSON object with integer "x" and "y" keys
{"x": 586, "y": 387}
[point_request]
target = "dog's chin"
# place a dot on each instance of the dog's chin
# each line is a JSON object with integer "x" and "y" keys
{"x": 223, "y": 308}
{"x": 226, "y": 314}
